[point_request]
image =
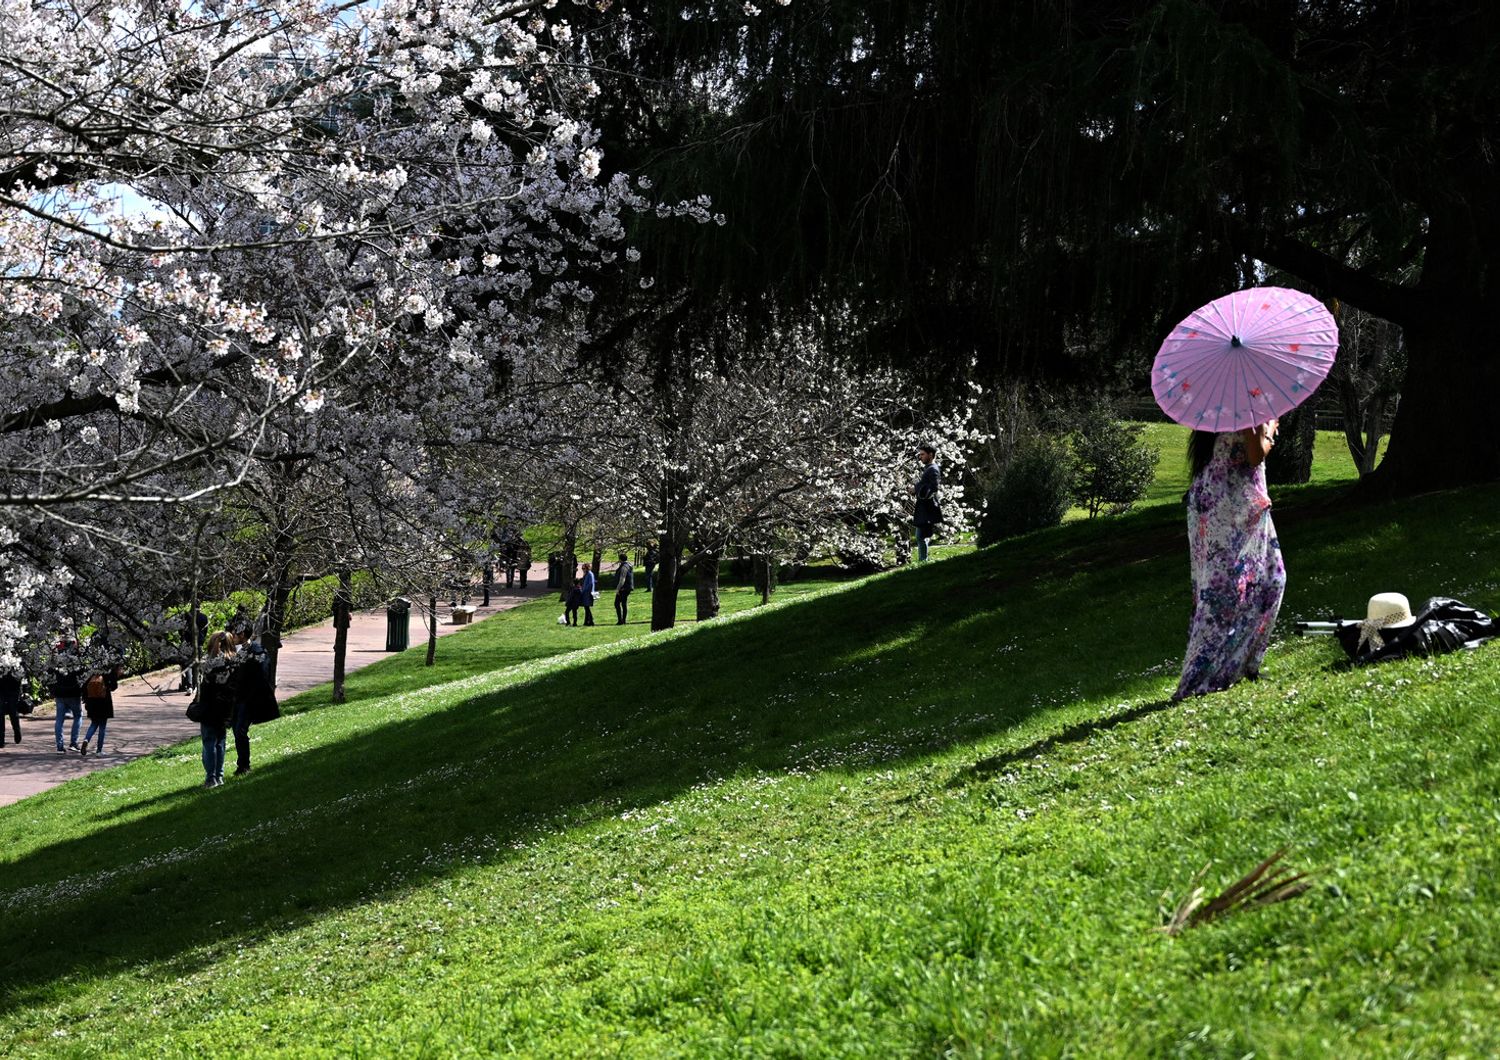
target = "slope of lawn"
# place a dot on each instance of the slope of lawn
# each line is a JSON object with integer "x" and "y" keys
{"x": 941, "y": 810}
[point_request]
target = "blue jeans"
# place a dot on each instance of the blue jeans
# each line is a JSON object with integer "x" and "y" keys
{"x": 924, "y": 533}
{"x": 65, "y": 706}
{"x": 100, "y": 726}
{"x": 213, "y": 751}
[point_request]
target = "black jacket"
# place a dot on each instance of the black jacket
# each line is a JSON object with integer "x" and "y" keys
{"x": 928, "y": 511}
{"x": 253, "y": 689}
{"x": 10, "y": 693}
{"x": 101, "y": 708}
{"x": 216, "y": 692}
{"x": 65, "y": 684}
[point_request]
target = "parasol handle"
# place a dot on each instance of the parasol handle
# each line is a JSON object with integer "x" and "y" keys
{"x": 1234, "y": 340}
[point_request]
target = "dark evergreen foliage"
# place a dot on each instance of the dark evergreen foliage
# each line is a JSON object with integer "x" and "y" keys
{"x": 1033, "y": 491}
{"x": 1050, "y": 184}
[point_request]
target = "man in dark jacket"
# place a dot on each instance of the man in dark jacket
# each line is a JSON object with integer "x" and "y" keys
{"x": 66, "y": 685}
{"x": 254, "y": 700}
{"x": 927, "y": 514}
{"x": 10, "y": 705}
{"x": 649, "y": 561}
{"x": 624, "y": 583}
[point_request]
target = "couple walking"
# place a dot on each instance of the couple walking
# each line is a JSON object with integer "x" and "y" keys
{"x": 77, "y": 692}
{"x": 585, "y": 593}
{"x": 234, "y": 692}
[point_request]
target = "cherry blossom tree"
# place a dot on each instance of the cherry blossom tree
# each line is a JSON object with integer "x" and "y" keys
{"x": 219, "y": 219}
{"x": 783, "y": 447}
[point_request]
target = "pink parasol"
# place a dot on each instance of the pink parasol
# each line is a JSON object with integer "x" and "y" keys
{"x": 1244, "y": 359}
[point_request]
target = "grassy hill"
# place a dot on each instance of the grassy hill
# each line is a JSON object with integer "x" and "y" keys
{"x": 940, "y": 810}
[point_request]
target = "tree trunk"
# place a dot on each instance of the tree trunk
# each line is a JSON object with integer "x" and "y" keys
{"x": 765, "y": 577}
{"x": 431, "y": 629}
{"x": 1373, "y": 430}
{"x": 281, "y": 592}
{"x": 343, "y": 607}
{"x": 1291, "y": 458}
{"x": 664, "y": 591}
{"x": 1443, "y": 435}
{"x": 708, "y": 587}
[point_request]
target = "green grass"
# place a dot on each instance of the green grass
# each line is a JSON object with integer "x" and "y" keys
{"x": 940, "y": 811}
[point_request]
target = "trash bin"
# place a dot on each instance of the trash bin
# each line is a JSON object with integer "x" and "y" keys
{"x": 397, "y": 624}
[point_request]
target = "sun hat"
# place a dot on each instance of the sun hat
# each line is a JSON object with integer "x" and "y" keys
{"x": 1384, "y": 611}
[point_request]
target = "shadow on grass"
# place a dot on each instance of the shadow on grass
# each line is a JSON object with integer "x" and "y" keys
{"x": 1072, "y": 734}
{"x": 897, "y": 670}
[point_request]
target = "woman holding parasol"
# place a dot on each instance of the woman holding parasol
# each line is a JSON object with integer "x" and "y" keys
{"x": 1228, "y": 371}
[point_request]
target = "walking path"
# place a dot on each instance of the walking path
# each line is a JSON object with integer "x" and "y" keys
{"x": 150, "y": 712}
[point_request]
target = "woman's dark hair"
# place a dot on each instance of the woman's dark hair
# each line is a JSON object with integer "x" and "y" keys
{"x": 1200, "y": 450}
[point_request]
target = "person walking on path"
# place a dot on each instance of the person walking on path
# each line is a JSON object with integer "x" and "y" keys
{"x": 927, "y": 513}
{"x": 649, "y": 561}
{"x": 99, "y": 704}
{"x": 66, "y": 686}
{"x": 213, "y": 707}
{"x": 254, "y": 701}
{"x": 590, "y": 593}
{"x": 523, "y": 562}
{"x": 624, "y": 583}
{"x": 1238, "y": 573}
{"x": 10, "y": 705}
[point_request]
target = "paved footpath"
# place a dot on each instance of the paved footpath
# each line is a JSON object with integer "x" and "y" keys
{"x": 150, "y": 712}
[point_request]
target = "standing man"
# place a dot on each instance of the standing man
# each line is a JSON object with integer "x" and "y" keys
{"x": 927, "y": 514}
{"x": 590, "y": 586}
{"x": 66, "y": 686}
{"x": 624, "y": 583}
{"x": 649, "y": 561}
{"x": 11, "y": 687}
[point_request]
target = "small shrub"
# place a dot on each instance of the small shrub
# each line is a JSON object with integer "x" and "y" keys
{"x": 1112, "y": 466}
{"x": 1032, "y": 493}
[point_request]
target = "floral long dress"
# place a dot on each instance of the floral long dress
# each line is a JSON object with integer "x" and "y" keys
{"x": 1238, "y": 573}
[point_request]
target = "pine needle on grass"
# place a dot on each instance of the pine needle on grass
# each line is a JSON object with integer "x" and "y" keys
{"x": 1263, "y": 885}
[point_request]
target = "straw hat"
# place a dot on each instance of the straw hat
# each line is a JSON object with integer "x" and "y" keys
{"x": 1384, "y": 611}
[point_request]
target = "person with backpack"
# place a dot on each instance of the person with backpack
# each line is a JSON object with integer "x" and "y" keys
{"x": 254, "y": 701}
{"x": 213, "y": 706}
{"x": 65, "y": 683}
{"x": 99, "y": 704}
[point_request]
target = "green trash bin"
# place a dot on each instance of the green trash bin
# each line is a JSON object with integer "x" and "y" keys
{"x": 397, "y": 624}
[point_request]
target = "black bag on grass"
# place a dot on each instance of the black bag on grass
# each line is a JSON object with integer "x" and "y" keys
{"x": 1441, "y": 625}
